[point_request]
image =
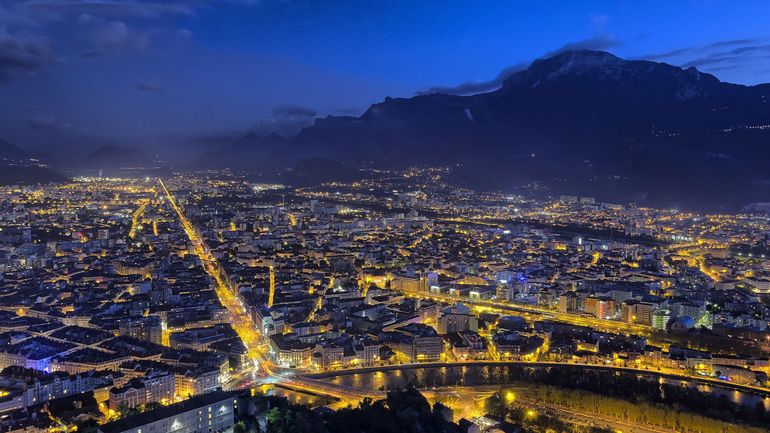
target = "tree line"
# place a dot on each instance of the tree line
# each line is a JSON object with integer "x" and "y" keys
{"x": 653, "y": 415}
{"x": 639, "y": 389}
{"x": 402, "y": 411}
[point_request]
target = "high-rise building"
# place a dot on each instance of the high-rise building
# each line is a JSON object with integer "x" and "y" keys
{"x": 156, "y": 387}
{"x": 212, "y": 412}
{"x": 143, "y": 328}
{"x": 600, "y": 307}
{"x": 568, "y": 302}
{"x": 637, "y": 312}
{"x": 456, "y": 319}
{"x": 660, "y": 319}
{"x": 421, "y": 343}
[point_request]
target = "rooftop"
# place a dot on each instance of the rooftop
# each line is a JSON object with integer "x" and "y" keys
{"x": 152, "y": 416}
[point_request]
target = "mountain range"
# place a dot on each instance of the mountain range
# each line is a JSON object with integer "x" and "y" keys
{"x": 112, "y": 156}
{"x": 17, "y": 167}
{"x": 11, "y": 152}
{"x": 250, "y": 151}
{"x": 584, "y": 122}
{"x": 580, "y": 122}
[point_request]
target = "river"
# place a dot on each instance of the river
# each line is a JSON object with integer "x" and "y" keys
{"x": 483, "y": 376}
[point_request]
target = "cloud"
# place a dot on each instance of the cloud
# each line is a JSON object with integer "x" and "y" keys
{"x": 598, "y": 21}
{"x": 600, "y": 43}
{"x": 94, "y": 28}
{"x": 294, "y": 111}
{"x": 150, "y": 86}
{"x": 118, "y": 36}
{"x": 750, "y": 49}
{"x": 470, "y": 87}
{"x": 707, "y": 61}
{"x": 12, "y": 16}
{"x": 244, "y": 2}
{"x": 722, "y": 62}
{"x": 23, "y": 54}
{"x": 52, "y": 9}
{"x": 91, "y": 54}
{"x": 744, "y": 53}
{"x": 666, "y": 54}
{"x": 694, "y": 50}
{"x": 748, "y": 54}
{"x": 731, "y": 43}
{"x": 47, "y": 125}
{"x": 722, "y": 68}
{"x": 642, "y": 36}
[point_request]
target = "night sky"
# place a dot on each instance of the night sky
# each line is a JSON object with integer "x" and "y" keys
{"x": 147, "y": 72}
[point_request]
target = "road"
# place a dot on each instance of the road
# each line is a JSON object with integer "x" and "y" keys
{"x": 135, "y": 220}
{"x": 507, "y": 308}
{"x": 242, "y": 321}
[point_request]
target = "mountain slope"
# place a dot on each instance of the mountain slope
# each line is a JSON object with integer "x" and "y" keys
{"x": 18, "y": 175}
{"x": 583, "y": 121}
{"x": 10, "y": 151}
{"x": 110, "y": 156}
{"x": 250, "y": 151}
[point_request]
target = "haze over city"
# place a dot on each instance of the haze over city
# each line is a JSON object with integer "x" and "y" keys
{"x": 264, "y": 216}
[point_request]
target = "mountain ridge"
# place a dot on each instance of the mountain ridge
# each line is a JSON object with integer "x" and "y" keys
{"x": 580, "y": 115}
{"x": 113, "y": 156}
{"x": 10, "y": 151}
{"x": 585, "y": 122}
{"x": 252, "y": 150}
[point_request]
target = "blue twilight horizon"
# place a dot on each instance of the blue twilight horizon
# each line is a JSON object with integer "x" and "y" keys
{"x": 81, "y": 71}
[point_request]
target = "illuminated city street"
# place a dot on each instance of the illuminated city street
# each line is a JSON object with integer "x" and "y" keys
{"x": 241, "y": 321}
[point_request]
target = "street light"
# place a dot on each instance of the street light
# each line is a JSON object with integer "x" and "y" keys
{"x": 510, "y": 397}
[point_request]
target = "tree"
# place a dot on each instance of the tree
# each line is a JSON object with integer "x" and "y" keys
{"x": 88, "y": 426}
{"x": 274, "y": 419}
{"x": 151, "y": 406}
{"x": 125, "y": 411}
{"x": 496, "y": 406}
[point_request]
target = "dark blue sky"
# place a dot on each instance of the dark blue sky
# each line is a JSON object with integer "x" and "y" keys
{"x": 94, "y": 71}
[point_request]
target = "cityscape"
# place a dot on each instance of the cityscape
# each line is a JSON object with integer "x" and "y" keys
{"x": 325, "y": 217}
{"x": 145, "y": 292}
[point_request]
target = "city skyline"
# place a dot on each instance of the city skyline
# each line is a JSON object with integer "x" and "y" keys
{"x": 269, "y": 216}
